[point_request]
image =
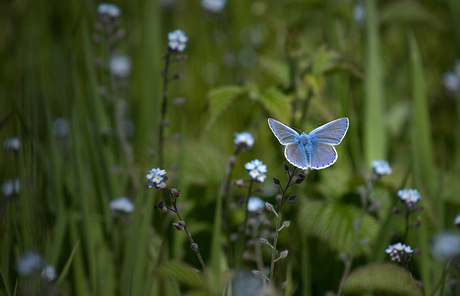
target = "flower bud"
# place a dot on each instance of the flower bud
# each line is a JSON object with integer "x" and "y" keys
{"x": 286, "y": 223}
{"x": 194, "y": 246}
{"x": 292, "y": 198}
{"x": 263, "y": 241}
{"x": 276, "y": 181}
{"x": 299, "y": 180}
{"x": 395, "y": 210}
{"x": 257, "y": 274}
{"x": 181, "y": 223}
{"x": 239, "y": 183}
{"x": 284, "y": 254}
{"x": 175, "y": 192}
{"x": 284, "y": 284}
{"x": 286, "y": 167}
{"x": 268, "y": 206}
{"x": 177, "y": 226}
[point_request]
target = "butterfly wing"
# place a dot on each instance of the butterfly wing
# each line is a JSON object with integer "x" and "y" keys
{"x": 331, "y": 133}
{"x": 282, "y": 132}
{"x": 296, "y": 155}
{"x": 322, "y": 155}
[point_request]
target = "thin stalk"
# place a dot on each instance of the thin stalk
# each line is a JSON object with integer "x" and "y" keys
{"x": 164, "y": 106}
{"x": 243, "y": 230}
{"x": 278, "y": 222}
{"x": 189, "y": 235}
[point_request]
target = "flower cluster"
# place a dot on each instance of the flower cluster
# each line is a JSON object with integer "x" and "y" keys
{"x": 213, "y": 6}
{"x": 156, "y": 178}
{"x": 409, "y": 196}
{"x": 12, "y": 144}
{"x": 381, "y": 167}
{"x": 451, "y": 80}
{"x": 244, "y": 140}
{"x": 109, "y": 9}
{"x": 177, "y": 40}
{"x": 256, "y": 170}
{"x": 399, "y": 252}
{"x": 121, "y": 205}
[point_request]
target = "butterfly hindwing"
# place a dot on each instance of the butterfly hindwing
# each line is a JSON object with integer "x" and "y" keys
{"x": 296, "y": 155}
{"x": 322, "y": 155}
{"x": 283, "y": 133}
{"x": 331, "y": 133}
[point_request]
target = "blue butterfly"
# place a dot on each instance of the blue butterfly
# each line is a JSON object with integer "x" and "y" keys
{"x": 314, "y": 150}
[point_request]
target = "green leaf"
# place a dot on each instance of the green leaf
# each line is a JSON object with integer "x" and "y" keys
{"x": 182, "y": 273}
{"x": 277, "y": 69}
{"x": 332, "y": 223}
{"x": 277, "y": 104}
{"x": 325, "y": 60}
{"x": 407, "y": 12}
{"x": 382, "y": 278}
{"x": 220, "y": 99}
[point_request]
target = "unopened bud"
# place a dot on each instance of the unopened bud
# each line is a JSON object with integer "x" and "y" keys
{"x": 162, "y": 185}
{"x": 179, "y": 75}
{"x": 239, "y": 183}
{"x": 285, "y": 167}
{"x": 194, "y": 246}
{"x": 417, "y": 223}
{"x": 276, "y": 181}
{"x": 181, "y": 223}
{"x": 160, "y": 205}
{"x": 177, "y": 226}
{"x": 179, "y": 101}
{"x": 175, "y": 192}
{"x": 299, "y": 180}
{"x": 284, "y": 284}
{"x": 395, "y": 210}
{"x": 263, "y": 241}
{"x": 268, "y": 206}
{"x": 286, "y": 223}
{"x": 284, "y": 254}
{"x": 292, "y": 198}
{"x": 181, "y": 58}
{"x": 257, "y": 274}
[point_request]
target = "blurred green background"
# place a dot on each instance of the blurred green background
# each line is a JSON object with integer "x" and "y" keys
{"x": 382, "y": 64}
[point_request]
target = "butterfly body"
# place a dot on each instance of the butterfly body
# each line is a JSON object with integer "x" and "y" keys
{"x": 314, "y": 150}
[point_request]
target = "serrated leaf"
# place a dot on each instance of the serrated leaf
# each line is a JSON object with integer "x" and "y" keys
{"x": 325, "y": 60}
{"x": 382, "y": 278}
{"x": 183, "y": 274}
{"x": 276, "y": 68}
{"x": 220, "y": 99}
{"x": 277, "y": 104}
{"x": 407, "y": 12}
{"x": 332, "y": 223}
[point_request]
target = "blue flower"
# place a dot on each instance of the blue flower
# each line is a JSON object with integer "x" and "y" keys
{"x": 213, "y": 6}
{"x": 256, "y": 170}
{"x": 255, "y": 204}
{"x": 122, "y": 204}
{"x": 29, "y": 264}
{"x": 399, "y": 252}
{"x": 409, "y": 195}
{"x": 177, "y": 40}
{"x": 12, "y": 144}
{"x": 11, "y": 186}
{"x": 244, "y": 139}
{"x": 109, "y": 9}
{"x": 381, "y": 167}
{"x": 49, "y": 273}
{"x": 457, "y": 220}
{"x": 155, "y": 178}
{"x": 445, "y": 245}
{"x": 120, "y": 66}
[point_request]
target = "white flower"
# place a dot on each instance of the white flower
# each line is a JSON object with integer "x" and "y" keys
{"x": 451, "y": 81}
{"x": 445, "y": 245}
{"x": 11, "y": 186}
{"x": 213, "y": 6}
{"x": 109, "y": 9}
{"x": 12, "y": 144}
{"x": 29, "y": 263}
{"x": 457, "y": 220}
{"x": 120, "y": 66}
{"x": 255, "y": 204}
{"x": 256, "y": 170}
{"x": 155, "y": 178}
{"x": 60, "y": 127}
{"x": 49, "y": 273}
{"x": 122, "y": 204}
{"x": 381, "y": 167}
{"x": 244, "y": 139}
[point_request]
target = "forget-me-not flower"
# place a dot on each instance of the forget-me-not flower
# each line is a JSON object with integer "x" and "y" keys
{"x": 457, "y": 220}
{"x": 155, "y": 178}
{"x": 109, "y": 9}
{"x": 381, "y": 167}
{"x": 445, "y": 245}
{"x": 120, "y": 66}
{"x": 451, "y": 80}
{"x": 29, "y": 263}
{"x": 213, "y": 6}
{"x": 11, "y": 186}
{"x": 255, "y": 204}
{"x": 177, "y": 40}
{"x": 12, "y": 144}
{"x": 409, "y": 196}
{"x": 60, "y": 127}
{"x": 256, "y": 170}
{"x": 399, "y": 252}
{"x": 49, "y": 273}
{"x": 121, "y": 204}
{"x": 244, "y": 140}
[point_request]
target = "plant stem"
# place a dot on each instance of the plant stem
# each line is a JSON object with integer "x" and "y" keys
{"x": 189, "y": 235}
{"x": 164, "y": 106}
{"x": 278, "y": 223}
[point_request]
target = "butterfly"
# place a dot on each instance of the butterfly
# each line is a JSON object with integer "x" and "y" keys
{"x": 314, "y": 150}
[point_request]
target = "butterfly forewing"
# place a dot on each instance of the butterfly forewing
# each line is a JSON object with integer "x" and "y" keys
{"x": 296, "y": 155}
{"x": 324, "y": 155}
{"x": 283, "y": 133}
{"x": 331, "y": 133}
